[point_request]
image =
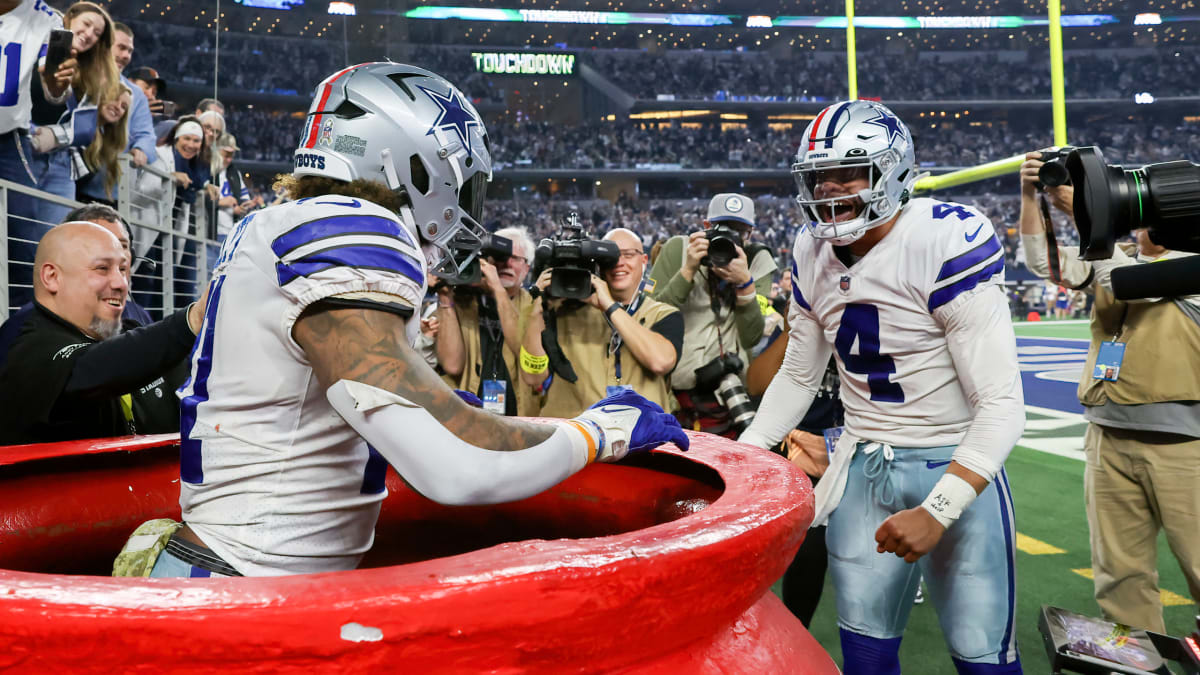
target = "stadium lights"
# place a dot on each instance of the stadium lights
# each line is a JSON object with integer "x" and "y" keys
{"x": 759, "y": 20}
{"x": 343, "y": 8}
{"x": 1147, "y": 19}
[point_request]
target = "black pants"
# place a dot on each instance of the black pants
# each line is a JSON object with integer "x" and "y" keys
{"x": 805, "y": 576}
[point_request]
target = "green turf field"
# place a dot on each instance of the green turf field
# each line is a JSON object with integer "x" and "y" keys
{"x": 1052, "y": 564}
{"x": 1053, "y": 329}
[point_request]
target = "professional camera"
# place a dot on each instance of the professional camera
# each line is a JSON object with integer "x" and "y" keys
{"x": 467, "y": 250}
{"x": 1110, "y": 201}
{"x": 572, "y": 260}
{"x": 1054, "y": 172}
{"x": 722, "y": 376}
{"x": 723, "y": 241}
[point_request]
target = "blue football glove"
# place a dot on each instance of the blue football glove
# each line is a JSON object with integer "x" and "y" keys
{"x": 632, "y": 423}
{"x": 471, "y": 399}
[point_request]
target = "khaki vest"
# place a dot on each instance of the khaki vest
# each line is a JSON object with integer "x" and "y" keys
{"x": 1162, "y": 353}
{"x": 702, "y": 341}
{"x": 472, "y": 375}
{"x": 584, "y": 335}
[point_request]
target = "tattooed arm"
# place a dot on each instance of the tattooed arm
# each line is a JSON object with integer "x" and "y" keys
{"x": 370, "y": 346}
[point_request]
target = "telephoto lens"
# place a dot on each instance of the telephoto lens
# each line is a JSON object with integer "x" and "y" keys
{"x": 732, "y": 394}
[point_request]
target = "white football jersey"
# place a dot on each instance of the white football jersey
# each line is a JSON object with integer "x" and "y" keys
{"x": 24, "y": 34}
{"x": 273, "y": 479}
{"x": 881, "y": 316}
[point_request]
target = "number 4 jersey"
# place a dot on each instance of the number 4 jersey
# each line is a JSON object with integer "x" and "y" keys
{"x": 886, "y": 317}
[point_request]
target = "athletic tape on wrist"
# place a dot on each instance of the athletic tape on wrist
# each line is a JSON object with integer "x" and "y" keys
{"x": 534, "y": 365}
{"x": 592, "y": 434}
{"x": 948, "y": 499}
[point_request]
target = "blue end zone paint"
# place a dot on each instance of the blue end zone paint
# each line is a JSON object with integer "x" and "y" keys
{"x": 1059, "y": 354}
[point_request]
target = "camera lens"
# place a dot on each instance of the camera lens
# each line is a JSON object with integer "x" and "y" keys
{"x": 732, "y": 394}
{"x": 721, "y": 251}
{"x": 1053, "y": 174}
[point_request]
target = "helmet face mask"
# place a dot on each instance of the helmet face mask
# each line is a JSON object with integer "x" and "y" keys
{"x": 414, "y": 132}
{"x": 863, "y": 148}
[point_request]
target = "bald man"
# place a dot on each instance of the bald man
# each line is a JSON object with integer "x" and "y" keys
{"x": 620, "y": 338}
{"x": 70, "y": 364}
{"x": 134, "y": 315}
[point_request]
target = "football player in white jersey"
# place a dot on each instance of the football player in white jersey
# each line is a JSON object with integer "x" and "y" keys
{"x": 908, "y": 293}
{"x": 304, "y": 386}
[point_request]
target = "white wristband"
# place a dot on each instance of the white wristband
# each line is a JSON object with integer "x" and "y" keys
{"x": 948, "y": 499}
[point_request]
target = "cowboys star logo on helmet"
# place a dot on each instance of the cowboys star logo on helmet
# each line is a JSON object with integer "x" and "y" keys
{"x": 420, "y": 136}
{"x": 453, "y": 117}
{"x": 890, "y": 123}
{"x": 855, "y": 169}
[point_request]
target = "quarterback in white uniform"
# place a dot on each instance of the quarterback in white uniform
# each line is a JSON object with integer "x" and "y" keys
{"x": 908, "y": 294}
{"x": 304, "y": 387}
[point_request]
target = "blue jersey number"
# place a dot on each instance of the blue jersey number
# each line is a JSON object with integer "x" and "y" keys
{"x": 942, "y": 210}
{"x": 10, "y": 89}
{"x": 861, "y": 323}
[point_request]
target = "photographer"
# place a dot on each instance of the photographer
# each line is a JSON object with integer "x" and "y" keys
{"x": 709, "y": 276}
{"x": 1140, "y": 388}
{"x": 619, "y": 338}
{"x": 480, "y": 328}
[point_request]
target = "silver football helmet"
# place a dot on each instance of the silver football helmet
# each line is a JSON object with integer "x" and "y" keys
{"x": 849, "y": 140}
{"x": 418, "y": 134}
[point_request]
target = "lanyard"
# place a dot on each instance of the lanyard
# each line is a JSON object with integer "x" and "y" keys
{"x": 495, "y": 333}
{"x": 1121, "y": 323}
{"x": 614, "y": 343}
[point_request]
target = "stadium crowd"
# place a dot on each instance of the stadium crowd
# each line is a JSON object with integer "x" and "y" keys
{"x": 934, "y": 77}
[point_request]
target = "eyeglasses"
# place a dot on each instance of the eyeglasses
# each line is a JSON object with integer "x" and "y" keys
{"x": 631, "y": 254}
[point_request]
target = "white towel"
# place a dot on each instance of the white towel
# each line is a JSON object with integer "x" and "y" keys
{"x": 829, "y": 491}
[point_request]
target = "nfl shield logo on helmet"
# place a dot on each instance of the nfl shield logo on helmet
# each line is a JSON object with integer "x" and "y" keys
{"x": 326, "y": 133}
{"x": 844, "y": 283}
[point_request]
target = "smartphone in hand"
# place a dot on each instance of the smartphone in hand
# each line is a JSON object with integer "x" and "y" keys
{"x": 58, "y": 50}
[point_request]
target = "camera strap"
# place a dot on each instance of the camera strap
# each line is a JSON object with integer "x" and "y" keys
{"x": 1051, "y": 241}
{"x": 1052, "y": 250}
{"x": 615, "y": 342}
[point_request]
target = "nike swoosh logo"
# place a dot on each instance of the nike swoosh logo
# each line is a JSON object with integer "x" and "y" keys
{"x": 866, "y": 138}
{"x": 971, "y": 237}
{"x": 930, "y": 464}
{"x": 614, "y": 409}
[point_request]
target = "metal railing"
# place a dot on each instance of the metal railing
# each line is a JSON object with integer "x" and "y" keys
{"x": 169, "y": 239}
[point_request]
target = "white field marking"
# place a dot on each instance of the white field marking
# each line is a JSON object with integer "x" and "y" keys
{"x": 1070, "y": 447}
{"x": 1068, "y": 375}
{"x": 1031, "y": 350}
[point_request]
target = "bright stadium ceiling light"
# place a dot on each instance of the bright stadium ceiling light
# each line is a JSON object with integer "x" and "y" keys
{"x": 343, "y": 8}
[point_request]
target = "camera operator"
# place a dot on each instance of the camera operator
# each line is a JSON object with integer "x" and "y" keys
{"x": 479, "y": 330}
{"x": 1141, "y": 391}
{"x": 619, "y": 338}
{"x": 709, "y": 276}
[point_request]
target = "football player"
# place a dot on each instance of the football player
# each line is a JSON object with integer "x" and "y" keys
{"x": 909, "y": 295}
{"x": 304, "y": 387}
